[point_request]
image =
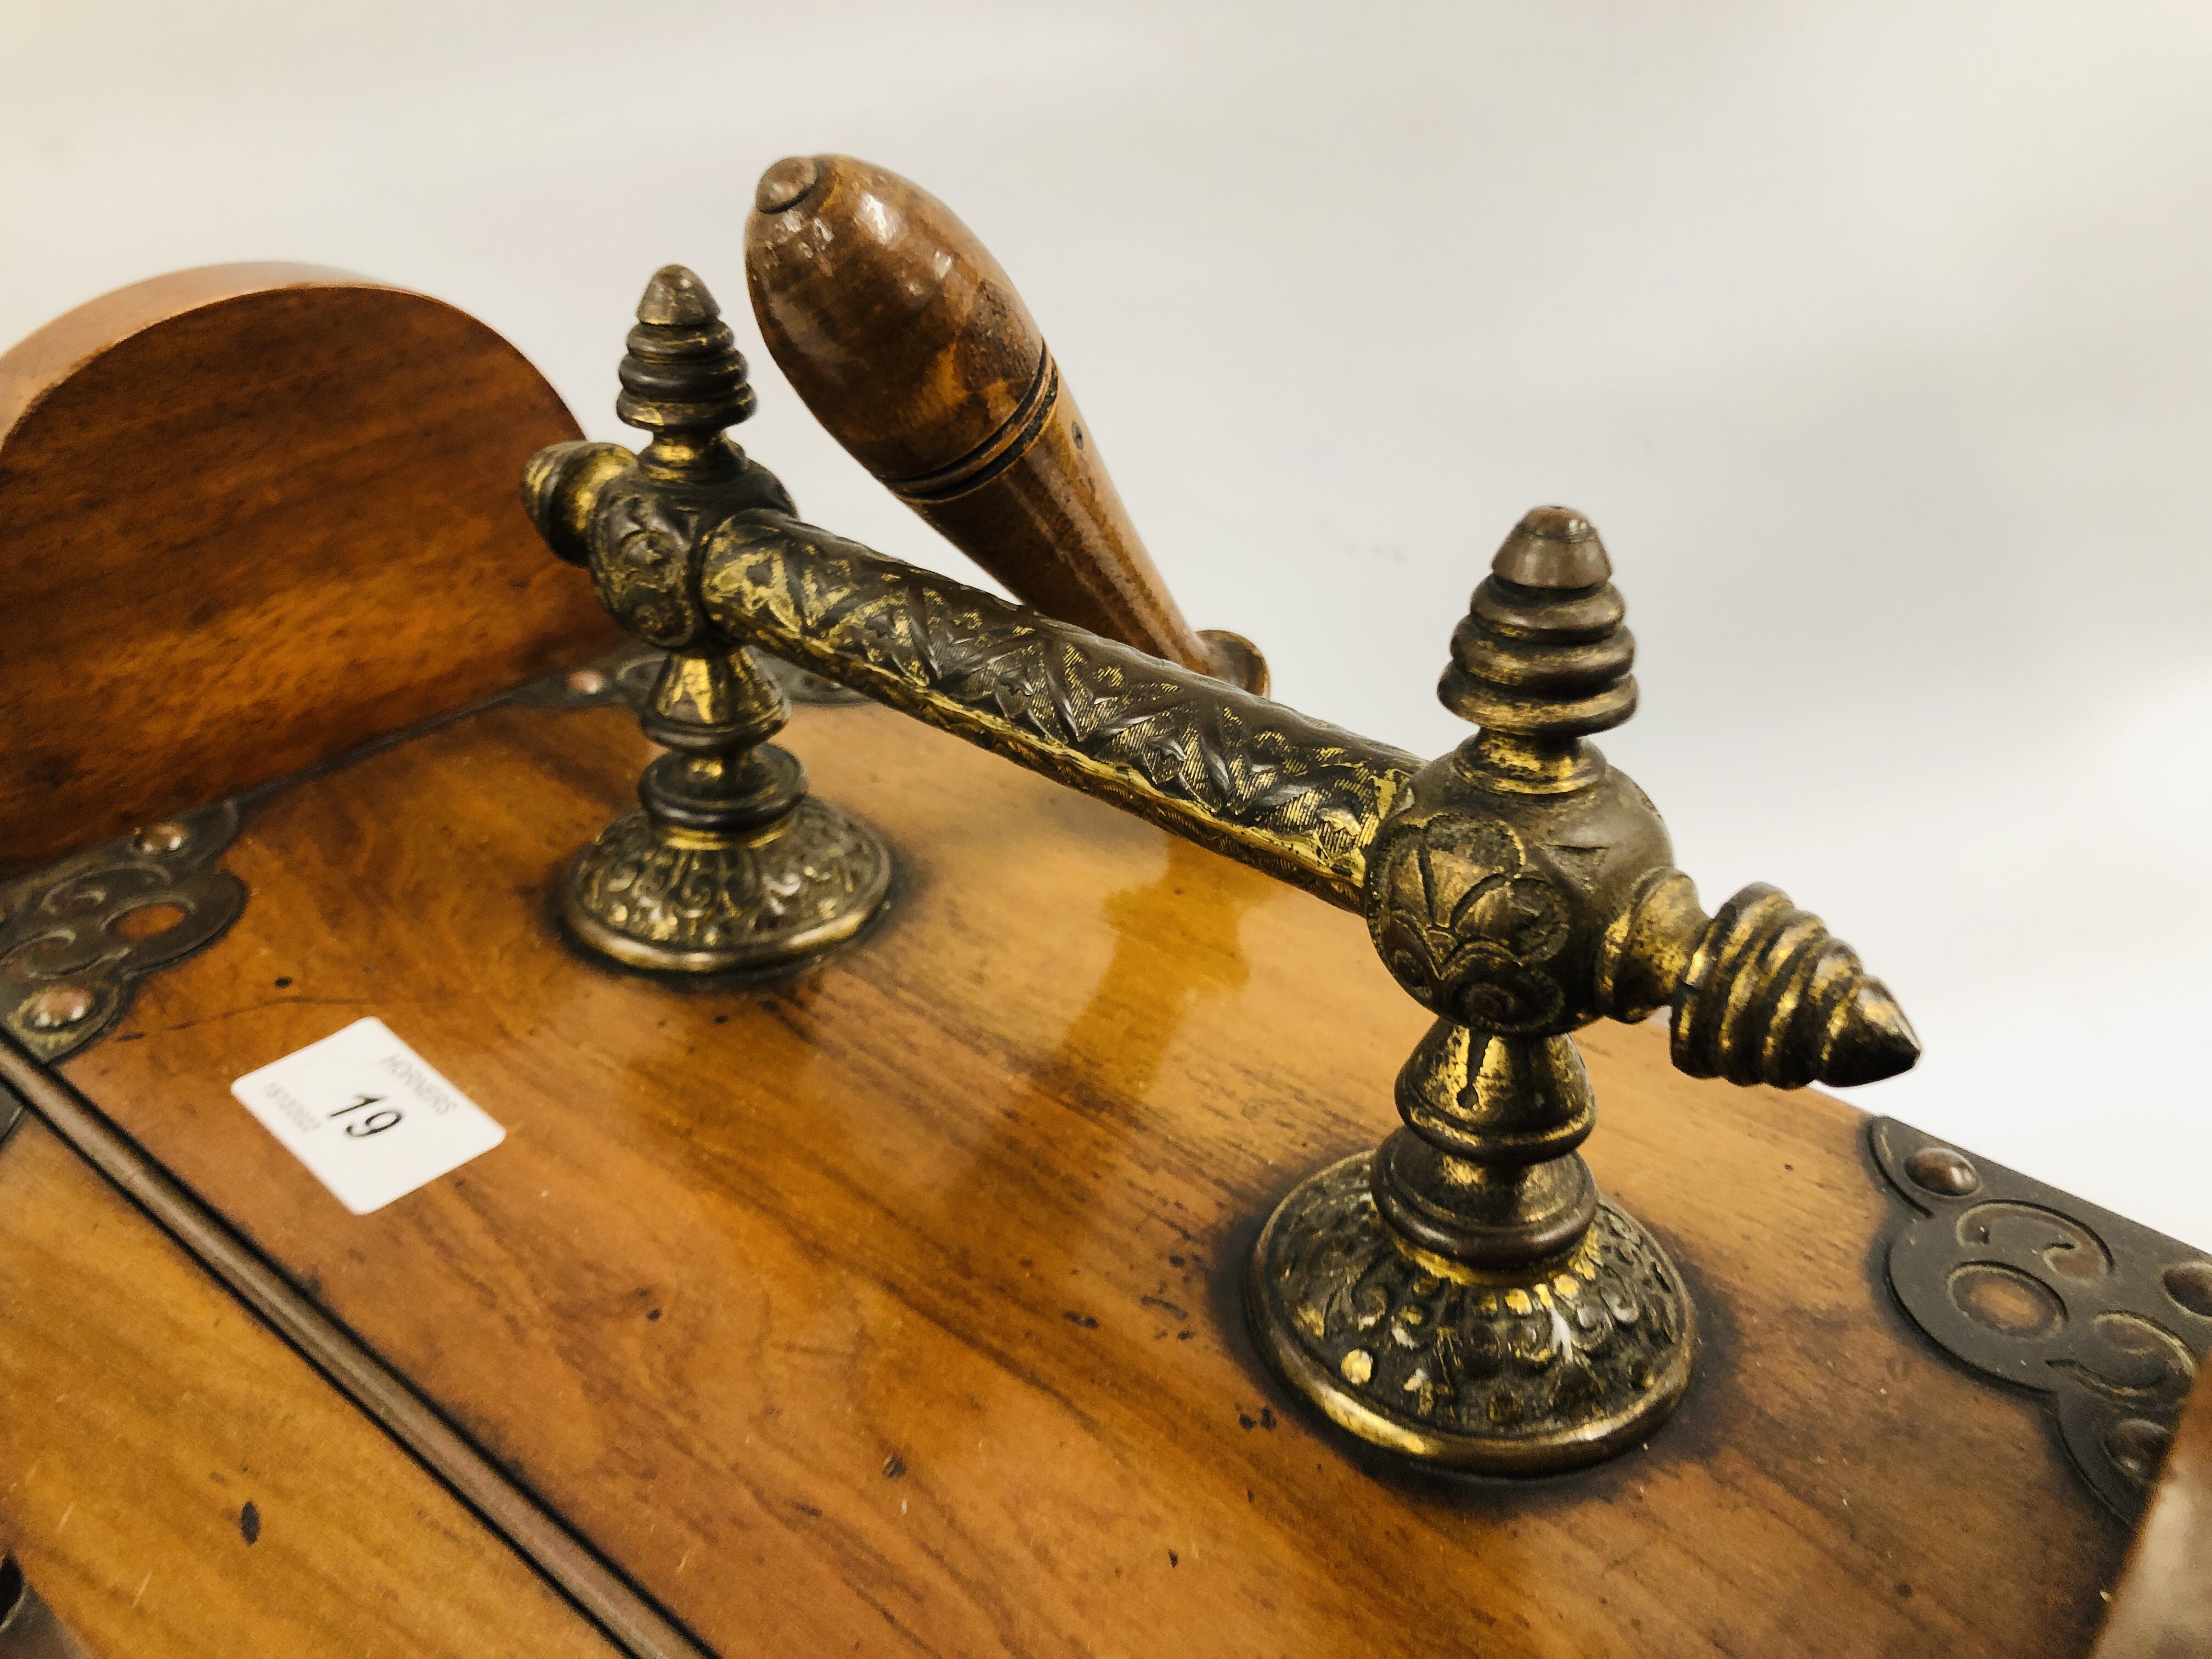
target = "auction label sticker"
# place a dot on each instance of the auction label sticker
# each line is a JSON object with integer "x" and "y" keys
{"x": 369, "y": 1117}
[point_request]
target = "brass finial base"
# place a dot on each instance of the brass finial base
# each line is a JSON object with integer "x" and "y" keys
{"x": 682, "y": 901}
{"x": 1463, "y": 1295}
{"x": 1528, "y": 1372}
{"x": 731, "y": 864}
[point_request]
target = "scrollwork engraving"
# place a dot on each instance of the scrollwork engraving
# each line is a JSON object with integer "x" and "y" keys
{"x": 641, "y": 564}
{"x": 2028, "y": 1285}
{"x": 645, "y": 542}
{"x": 1553, "y": 1358}
{"x": 1299, "y": 797}
{"x": 76, "y": 938}
{"x": 735, "y": 902}
{"x": 1465, "y": 925}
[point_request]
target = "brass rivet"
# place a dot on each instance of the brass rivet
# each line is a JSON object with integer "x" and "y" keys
{"x": 2189, "y": 1283}
{"x": 1939, "y": 1170}
{"x": 57, "y": 1007}
{"x": 585, "y": 682}
{"x": 163, "y": 837}
{"x": 2138, "y": 1445}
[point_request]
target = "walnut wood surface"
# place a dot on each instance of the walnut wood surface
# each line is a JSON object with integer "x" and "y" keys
{"x": 201, "y": 477}
{"x": 641, "y": 1629}
{"x": 2163, "y": 1607}
{"x": 897, "y": 1307}
{"x": 907, "y": 341}
{"x": 141, "y": 1410}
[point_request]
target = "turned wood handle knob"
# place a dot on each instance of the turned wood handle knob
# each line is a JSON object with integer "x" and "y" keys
{"x": 903, "y": 335}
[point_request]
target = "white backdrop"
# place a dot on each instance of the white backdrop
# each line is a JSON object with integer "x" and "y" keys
{"x": 1877, "y": 338}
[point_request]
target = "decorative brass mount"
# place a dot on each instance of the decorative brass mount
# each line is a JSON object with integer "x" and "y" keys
{"x": 731, "y": 864}
{"x": 77, "y": 936}
{"x": 2106, "y": 1318}
{"x": 1463, "y": 1295}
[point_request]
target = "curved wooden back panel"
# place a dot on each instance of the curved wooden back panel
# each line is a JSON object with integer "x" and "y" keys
{"x": 223, "y": 491}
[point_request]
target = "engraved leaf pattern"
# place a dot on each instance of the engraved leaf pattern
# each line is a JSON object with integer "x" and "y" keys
{"x": 1463, "y": 925}
{"x": 1480, "y": 1360}
{"x": 1172, "y": 745}
{"x": 709, "y": 898}
{"x": 641, "y": 578}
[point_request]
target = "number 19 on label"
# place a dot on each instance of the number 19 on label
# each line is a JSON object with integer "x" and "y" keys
{"x": 375, "y": 1123}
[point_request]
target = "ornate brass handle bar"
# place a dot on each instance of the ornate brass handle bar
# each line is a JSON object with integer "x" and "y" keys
{"x": 1463, "y": 1295}
{"x": 1295, "y": 797}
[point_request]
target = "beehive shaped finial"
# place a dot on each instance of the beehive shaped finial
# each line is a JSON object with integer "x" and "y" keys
{"x": 1542, "y": 660}
{"x": 683, "y": 378}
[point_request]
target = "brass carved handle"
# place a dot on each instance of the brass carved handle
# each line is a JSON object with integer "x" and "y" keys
{"x": 1763, "y": 992}
{"x": 1519, "y": 888}
{"x": 1288, "y": 794}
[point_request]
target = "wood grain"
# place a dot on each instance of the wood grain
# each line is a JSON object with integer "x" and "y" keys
{"x": 896, "y": 1306}
{"x": 223, "y": 489}
{"x": 642, "y": 1630}
{"x": 906, "y": 339}
{"x": 177, "y": 1482}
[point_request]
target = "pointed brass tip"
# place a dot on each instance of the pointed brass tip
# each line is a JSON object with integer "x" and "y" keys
{"x": 677, "y": 298}
{"x": 1873, "y": 1040}
{"x": 1770, "y": 996}
{"x": 786, "y": 184}
{"x": 1554, "y": 547}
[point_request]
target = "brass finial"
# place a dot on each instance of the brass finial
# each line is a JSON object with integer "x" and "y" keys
{"x": 1770, "y": 996}
{"x": 1464, "y": 1294}
{"x": 1507, "y": 1318}
{"x": 683, "y": 377}
{"x": 677, "y": 298}
{"x": 730, "y": 864}
{"x": 1541, "y": 660}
